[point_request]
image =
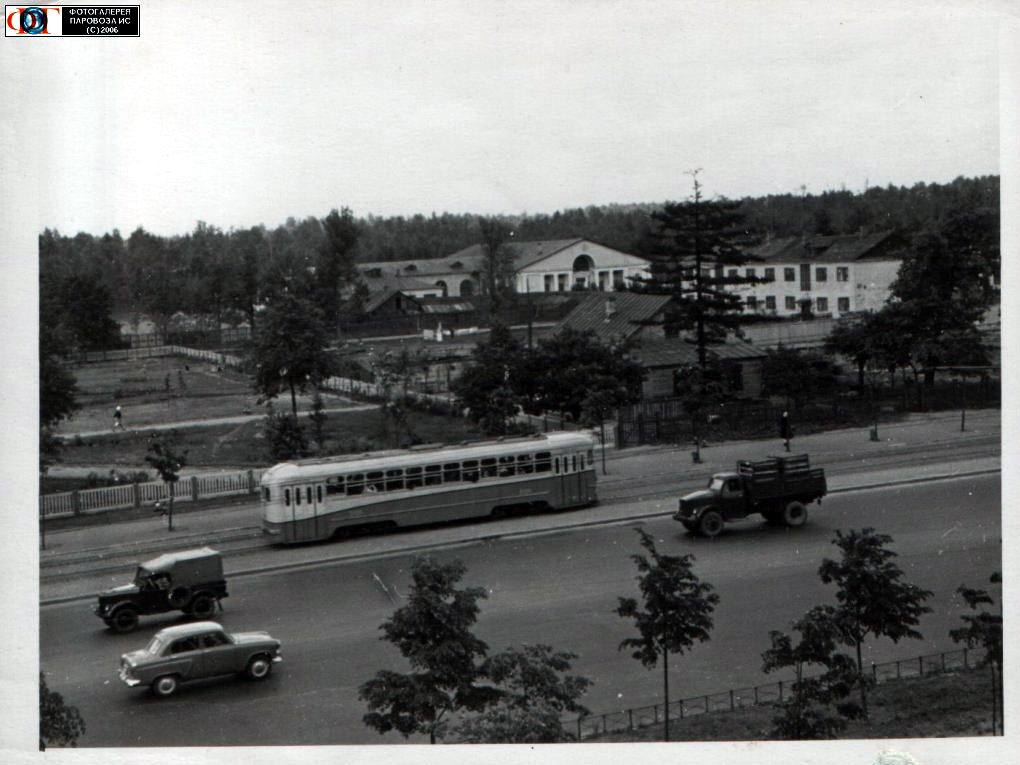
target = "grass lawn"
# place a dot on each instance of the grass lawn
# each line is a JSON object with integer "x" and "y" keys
{"x": 950, "y": 704}
{"x": 242, "y": 445}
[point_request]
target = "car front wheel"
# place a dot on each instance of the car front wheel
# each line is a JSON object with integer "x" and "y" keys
{"x": 124, "y": 619}
{"x": 259, "y": 668}
{"x": 165, "y": 686}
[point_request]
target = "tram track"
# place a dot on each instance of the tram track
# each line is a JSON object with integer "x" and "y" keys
{"x": 665, "y": 483}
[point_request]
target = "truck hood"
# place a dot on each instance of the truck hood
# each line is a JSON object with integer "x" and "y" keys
{"x": 124, "y": 589}
{"x": 698, "y": 497}
{"x": 249, "y": 638}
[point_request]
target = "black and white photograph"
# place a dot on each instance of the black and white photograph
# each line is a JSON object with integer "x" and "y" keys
{"x": 527, "y": 381}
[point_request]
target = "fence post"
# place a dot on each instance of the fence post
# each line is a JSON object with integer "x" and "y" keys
{"x": 76, "y": 502}
{"x": 898, "y": 675}
{"x": 920, "y": 666}
{"x": 756, "y": 695}
{"x": 630, "y": 719}
{"x": 731, "y": 700}
{"x": 578, "y": 728}
{"x": 194, "y": 488}
{"x": 136, "y": 495}
{"x": 874, "y": 672}
{"x": 681, "y": 709}
{"x": 251, "y": 481}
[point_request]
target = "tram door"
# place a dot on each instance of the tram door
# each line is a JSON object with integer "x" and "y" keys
{"x": 315, "y": 495}
{"x": 570, "y": 480}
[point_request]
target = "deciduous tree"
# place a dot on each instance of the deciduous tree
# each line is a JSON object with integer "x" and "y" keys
{"x": 60, "y": 724}
{"x": 290, "y": 352}
{"x": 677, "y": 611}
{"x": 168, "y": 459}
{"x": 534, "y": 694}
{"x": 984, "y": 630}
{"x": 498, "y": 263}
{"x": 872, "y": 599}
{"x": 433, "y": 631}
{"x": 818, "y": 706}
{"x": 796, "y": 375}
{"x": 486, "y": 386}
{"x": 335, "y": 270}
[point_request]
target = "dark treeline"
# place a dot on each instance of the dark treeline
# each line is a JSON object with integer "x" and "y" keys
{"x": 219, "y": 275}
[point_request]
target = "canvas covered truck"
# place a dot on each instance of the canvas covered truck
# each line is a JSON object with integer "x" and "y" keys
{"x": 779, "y": 488}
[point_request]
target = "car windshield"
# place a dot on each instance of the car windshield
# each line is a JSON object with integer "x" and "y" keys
{"x": 717, "y": 483}
{"x": 141, "y": 576}
{"x": 155, "y": 646}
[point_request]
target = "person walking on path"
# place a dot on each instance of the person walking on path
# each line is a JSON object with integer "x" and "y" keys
{"x": 118, "y": 418}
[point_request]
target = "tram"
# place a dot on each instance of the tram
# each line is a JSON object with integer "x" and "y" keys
{"x": 307, "y": 500}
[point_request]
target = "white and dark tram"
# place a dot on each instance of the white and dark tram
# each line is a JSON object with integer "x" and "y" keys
{"x": 307, "y": 500}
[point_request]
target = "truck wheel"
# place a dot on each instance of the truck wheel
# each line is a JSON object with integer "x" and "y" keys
{"x": 124, "y": 619}
{"x": 202, "y": 607}
{"x": 164, "y": 686}
{"x": 711, "y": 524}
{"x": 795, "y": 514}
{"x": 259, "y": 668}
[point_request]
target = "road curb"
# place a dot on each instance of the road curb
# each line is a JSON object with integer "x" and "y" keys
{"x": 357, "y": 557}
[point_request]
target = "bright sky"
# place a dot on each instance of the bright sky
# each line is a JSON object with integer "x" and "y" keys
{"x": 238, "y": 113}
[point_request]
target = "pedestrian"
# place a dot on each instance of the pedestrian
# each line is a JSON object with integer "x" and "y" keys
{"x": 118, "y": 418}
{"x": 784, "y": 430}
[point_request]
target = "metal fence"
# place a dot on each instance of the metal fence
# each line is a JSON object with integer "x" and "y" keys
{"x": 188, "y": 489}
{"x": 636, "y": 718}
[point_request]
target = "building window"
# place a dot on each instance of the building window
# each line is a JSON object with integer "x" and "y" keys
{"x": 467, "y": 288}
{"x": 550, "y": 283}
{"x": 790, "y": 274}
{"x": 791, "y": 303}
{"x": 770, "y": 302}
{"x": 821, "y": 274}
{"x": 752, "y": 303}
{"x": 603, "y": 280}
{"x": 732, "y": 273}
{"x": 750, "y": 273}
{"x": 842, "y": 273}
{"x": 823, "y": 305}
{"x": 618, "y": 283}
{"x": 561, "y": 282}
{"x": 843, "y": 304}
{"x": 770, "y": 274}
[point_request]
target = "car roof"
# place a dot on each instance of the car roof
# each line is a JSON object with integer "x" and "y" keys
{"x": 167, "y": 560}
{"x": 187, "y": 630}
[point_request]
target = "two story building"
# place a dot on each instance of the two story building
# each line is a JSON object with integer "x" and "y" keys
{"x": 829, "y": 275}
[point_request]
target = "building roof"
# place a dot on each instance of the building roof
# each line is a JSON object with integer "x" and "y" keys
{"x": 379, "y": 298}
{"x": 614, "y": 315}
{"x": 391, "y": 280}
{"x": 677, "y": 352}
{"x": 461, "y": 306}
{"x": 845, "y": 248}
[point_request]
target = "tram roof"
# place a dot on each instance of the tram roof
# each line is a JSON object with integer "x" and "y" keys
{"x": 299, "y": 469}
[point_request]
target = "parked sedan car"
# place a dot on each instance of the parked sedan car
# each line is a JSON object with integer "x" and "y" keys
{"x": 198, "y": 650}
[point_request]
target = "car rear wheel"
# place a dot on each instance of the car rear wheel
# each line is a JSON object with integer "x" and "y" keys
{"x": 711, "y": 524}
{"x": 124, "y": 619}
{"x": 202, "y": 607}
{"x": 795, "y": 514}
{"x": 165, "y": 686}
{"x": 259, "y": 667}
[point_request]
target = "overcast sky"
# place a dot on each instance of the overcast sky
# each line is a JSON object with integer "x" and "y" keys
{"x": 244, "y": 113}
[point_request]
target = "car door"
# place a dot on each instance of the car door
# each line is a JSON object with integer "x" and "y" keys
{"x": 219, "y": 656}
{"x": 184, "y": 658}
{"x": 733, "y": 499}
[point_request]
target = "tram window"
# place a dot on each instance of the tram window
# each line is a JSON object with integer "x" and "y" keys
{"x": 355, "y": 483}
{"x": 489, "y": 467}
{"x": 557, "y": 464}
{"x": 318, "y": 492}
{"x": 394, "y": 480}
{"x": 414, "y": 479}
{"x": 308, "y": 495}
{"x": 265, "y": 494}
{"x": 451, "y": 472}
{"x": 506, "y": 466}
{"x": 374, "y": 481}
{"x": 582, "y": 462}
{"x": 286, "y": 497}
{"x": 470, "y": 470}
{"x": 542, "y": 462}
{"x": 297, "y": 496}
{"x": 335, "y": 485}
{"x": 524, "y": 464}
{"x": 433, "y": 475}
{"x": 573, "y": 463}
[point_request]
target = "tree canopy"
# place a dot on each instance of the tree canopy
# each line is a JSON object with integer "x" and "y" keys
{"x": 60, "y": 723}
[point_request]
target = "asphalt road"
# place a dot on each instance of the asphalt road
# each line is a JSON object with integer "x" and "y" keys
{"x": 559, "y": 589}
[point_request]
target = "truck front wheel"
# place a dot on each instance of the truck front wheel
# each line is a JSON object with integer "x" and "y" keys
{"x": 711, "y": 524}
{"x": 795, "y": 514}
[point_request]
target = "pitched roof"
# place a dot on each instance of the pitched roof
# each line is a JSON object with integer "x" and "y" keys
{"x": 621, "y": 321}
{"x": 377, "y": 299}
{"x": 394, "y": 281}
{"x": 843, "y": 248}
{"x": 675, "y": 352}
